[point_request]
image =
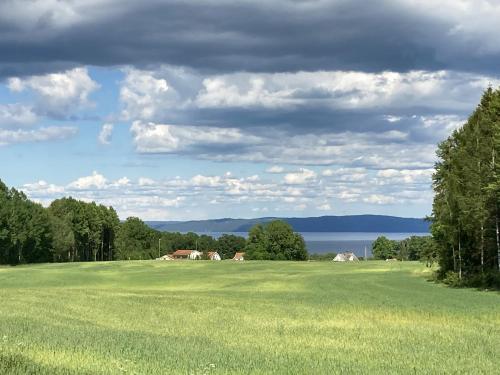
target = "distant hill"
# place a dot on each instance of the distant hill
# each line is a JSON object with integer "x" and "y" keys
{"x": 351, "y": 223}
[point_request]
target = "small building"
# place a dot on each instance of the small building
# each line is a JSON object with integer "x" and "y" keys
{"x": 239, "y": 256}
{"x": 213, "y": 255}
{"x": 165, "y": 257}
{"x": 187, "y": 254}
{"x": 346, "y": 257}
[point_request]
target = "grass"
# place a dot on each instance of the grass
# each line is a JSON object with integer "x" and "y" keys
{"x": 251, "y": 318}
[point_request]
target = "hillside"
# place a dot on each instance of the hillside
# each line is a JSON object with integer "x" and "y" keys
{"x": 351, "y": 223}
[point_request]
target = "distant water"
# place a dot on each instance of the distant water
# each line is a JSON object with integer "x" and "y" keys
{"x": 325, "y": 242}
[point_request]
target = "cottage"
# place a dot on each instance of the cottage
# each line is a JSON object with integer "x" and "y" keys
{"x": 187, "y": 254}
{"x": 346, "y": 257}
{"x": 213, "y": 255}
{"x": 239, "y": 256}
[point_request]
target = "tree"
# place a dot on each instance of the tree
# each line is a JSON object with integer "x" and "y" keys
{"x": 135, "y": 240}
{"x": 465, "y": 219}
{"x": 229, "y": 244}
{"x": 275, "y": 240}
{"x": 384, "y": 248}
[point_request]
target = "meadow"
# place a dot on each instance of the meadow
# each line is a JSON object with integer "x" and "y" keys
{"x": 201, "y": 317}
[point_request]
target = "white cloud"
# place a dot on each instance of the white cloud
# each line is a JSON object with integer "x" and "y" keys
{"x": 96, "y": 180}
{"x": 16, "y": 115}
{"x": 302, "y": 176}
{"x": 162, "y": 138}
{"x": 275, "y": 169}
{"x": 43, "y": 187}
{"x": 58, "y": 94}
{"x": 379, "y": 199}
{"x": 325, "y": 207}
{"x": 43, "y": 134}
{"x": 343, "y": 90}
{"x": 405, "y": 176}
{"x": 104, "y": 136}
{"x": 226, "y": 195}
{"x": 144, "y": 181}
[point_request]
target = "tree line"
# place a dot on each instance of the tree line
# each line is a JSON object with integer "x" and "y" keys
{"x": 70, "y": 230}
{"x": 466, "y": 212}
{"x": 419, "y": 248}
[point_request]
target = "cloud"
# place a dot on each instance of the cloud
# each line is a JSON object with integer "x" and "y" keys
{"x": 351, "y": 150}
{"x": 43, "y": 134}
{"x": 275, "y": 169}
{"x": 325, "y": 207}
{"x": 284, "y": 35}
{"x": 16, "y": 116}
{"x": 163, "y": 138}
{"x": 379, "y": 199}
{"x": 341, "y": 90}
{"x": 302, "y": 176}
{"x": 96, "y": 180}
{"x": 105, "y": 134}
{"x": 58, "y": 94}
{"x": 222, "y": 195}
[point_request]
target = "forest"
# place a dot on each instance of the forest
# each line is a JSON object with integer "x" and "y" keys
{"x": 69, "y": 230}
{"x": 73, "y": 230}
{"x": 465, "y": 217}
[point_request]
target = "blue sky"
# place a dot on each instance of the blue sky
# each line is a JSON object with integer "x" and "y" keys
{"x": 191, "y": 110}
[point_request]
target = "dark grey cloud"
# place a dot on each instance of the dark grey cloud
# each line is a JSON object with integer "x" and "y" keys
{"x": 258, "y": 36}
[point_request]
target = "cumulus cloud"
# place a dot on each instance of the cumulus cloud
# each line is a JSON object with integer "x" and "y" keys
{"x": 342, "y": 90}
{"x": 300, "y": 177}
{"x": 163, "y": 138}
{"x": 105, "y": 134}
{"x": 16, "y": 116}
{"x": 96, "y": 180}
{"x": 202, "y": 196}
{"x": 58, "y": 94}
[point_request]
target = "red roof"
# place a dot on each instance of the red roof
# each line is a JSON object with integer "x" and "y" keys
{"x": 182, "y": 252}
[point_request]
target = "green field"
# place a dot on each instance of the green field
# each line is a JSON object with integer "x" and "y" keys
{"x": 250, "y": 318}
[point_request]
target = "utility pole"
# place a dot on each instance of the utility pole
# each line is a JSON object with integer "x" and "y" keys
{"x": 366, "y": 256}
{"x": 159, "y": 247}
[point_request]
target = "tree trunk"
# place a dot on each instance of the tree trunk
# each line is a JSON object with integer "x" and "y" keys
{"x": 459, "y": 256}
{"x": 482, "y": 247}
{"x": 498, "y": 237}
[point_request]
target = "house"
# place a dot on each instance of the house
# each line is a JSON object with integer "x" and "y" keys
{"x": 239, "y": 256}
{"x": 213, "y": 255}
{"x": 187, "y": 254}
{"x": 165, "y": 257}
{"x": 346, "y": 257}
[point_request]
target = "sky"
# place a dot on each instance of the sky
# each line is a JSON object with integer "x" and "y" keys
{"x": 178, "y": 110}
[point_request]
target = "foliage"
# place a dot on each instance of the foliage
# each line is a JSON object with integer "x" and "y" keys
{"x": 70, "y": 230}
{"x": 465, "y": 220}
{"x": 275, "y": 240}
{"x": 242, "y": 318}
{"x": 25, "y": 234}
{"x": 136, "y": 240}
{"x": 83, "y": 231}
{"x": 229, "y": 244}
{"x": 384, "y": 248}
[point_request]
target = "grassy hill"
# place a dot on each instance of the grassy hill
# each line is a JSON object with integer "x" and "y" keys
{"x": 250, "y": 318}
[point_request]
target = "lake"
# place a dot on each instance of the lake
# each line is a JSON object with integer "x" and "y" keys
{"x": 325, "y": 242}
